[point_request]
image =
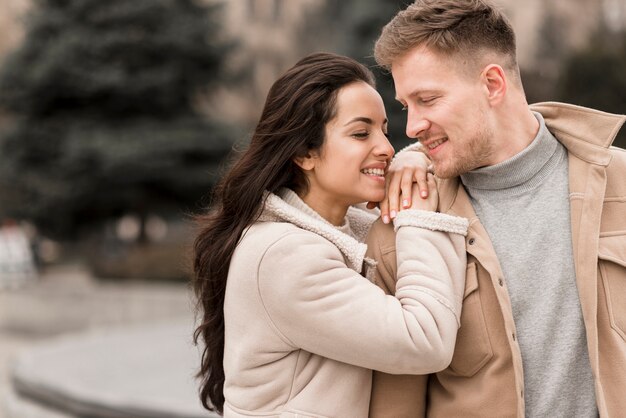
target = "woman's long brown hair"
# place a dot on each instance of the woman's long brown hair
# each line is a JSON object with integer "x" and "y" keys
{"x": 298, "y": 106}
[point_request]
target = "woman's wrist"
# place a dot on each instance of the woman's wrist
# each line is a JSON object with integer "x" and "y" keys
{"x": 434, "y": 221}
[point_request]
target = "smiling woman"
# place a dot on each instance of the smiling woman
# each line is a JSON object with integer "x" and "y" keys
{"x": 290, "y": 323}
{"x": 350, "y": 165}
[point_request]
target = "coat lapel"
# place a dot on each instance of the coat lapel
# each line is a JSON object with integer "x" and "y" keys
{"x": 587, "y": 183}
{"x": 454, "y": 200}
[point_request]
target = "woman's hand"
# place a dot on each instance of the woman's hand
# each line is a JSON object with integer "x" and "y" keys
{"x": 407, "y": 170}
{"x": 430, "y": 202}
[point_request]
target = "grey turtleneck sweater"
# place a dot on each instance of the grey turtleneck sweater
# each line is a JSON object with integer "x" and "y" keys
{"x": 524, "y": 205}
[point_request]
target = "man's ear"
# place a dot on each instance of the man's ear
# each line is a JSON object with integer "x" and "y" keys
{"x": 307, "y": 163}
{"x": 495, "y": 81}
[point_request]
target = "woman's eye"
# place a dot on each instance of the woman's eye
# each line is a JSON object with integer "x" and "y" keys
{"x": 428, "y": 100}
{"x": 361, "y": 135}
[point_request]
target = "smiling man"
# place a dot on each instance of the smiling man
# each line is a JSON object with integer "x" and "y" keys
{"x": 543, "y": 327}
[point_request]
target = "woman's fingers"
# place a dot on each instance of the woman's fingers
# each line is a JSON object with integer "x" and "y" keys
{"x": 406, "y": 187}
{"x": 429, "y": 203}
{"x": 407, "y": 171}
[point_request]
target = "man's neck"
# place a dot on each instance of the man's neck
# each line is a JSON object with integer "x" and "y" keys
{"x": 515, "y": 129}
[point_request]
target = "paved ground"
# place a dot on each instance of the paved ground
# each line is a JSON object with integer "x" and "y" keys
{"x": 66, "y": 301}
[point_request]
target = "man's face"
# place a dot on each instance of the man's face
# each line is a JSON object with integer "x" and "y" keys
{"x": 447, "y": 110}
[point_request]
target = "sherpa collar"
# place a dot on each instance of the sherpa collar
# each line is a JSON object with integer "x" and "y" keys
{"x": 276, "y": 209}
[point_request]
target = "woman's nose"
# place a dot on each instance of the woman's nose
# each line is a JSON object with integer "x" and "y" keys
{"x": 384, "y": 147}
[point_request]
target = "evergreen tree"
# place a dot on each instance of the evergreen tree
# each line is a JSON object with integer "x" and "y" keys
{"x": 101, "y": 95}
{"x": 596, "y": 76}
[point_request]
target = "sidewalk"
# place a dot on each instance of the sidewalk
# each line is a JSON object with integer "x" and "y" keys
{"x": 66, "y": 304}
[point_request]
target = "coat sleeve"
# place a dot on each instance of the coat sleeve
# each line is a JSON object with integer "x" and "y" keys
{"x": 318, "y": 304}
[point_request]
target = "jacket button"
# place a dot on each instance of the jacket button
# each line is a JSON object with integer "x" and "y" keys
{"x": 471, "y": 241}
{"x": 513, "y": 335}
{"x": 501, "y": 282}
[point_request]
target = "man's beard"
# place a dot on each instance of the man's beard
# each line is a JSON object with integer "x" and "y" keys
{"x": 475, "y": 153}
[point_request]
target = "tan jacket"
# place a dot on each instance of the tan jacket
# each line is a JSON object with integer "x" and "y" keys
{"x": 303, "y": 328}
{"x": 485, "y": 376}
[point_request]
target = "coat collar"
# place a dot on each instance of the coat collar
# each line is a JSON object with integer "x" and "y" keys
{"x": 276, "y": 209}
{"x": 586, "y": 133}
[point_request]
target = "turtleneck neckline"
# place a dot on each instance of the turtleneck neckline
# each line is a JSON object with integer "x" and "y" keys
{"x": 525, "y": 170}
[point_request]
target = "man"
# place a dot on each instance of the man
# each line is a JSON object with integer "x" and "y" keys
{"x": 543, "y": 326}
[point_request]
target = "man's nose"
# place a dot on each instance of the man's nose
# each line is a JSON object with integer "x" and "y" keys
{"x": 416, "y": 124}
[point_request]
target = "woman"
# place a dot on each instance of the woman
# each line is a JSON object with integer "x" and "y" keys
{"x": 290, "y": 325}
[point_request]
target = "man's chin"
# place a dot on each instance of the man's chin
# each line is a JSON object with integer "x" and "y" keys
{"x": 443, "y": 173}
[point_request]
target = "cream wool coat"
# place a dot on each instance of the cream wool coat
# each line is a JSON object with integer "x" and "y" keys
{"x": 304, "y": 328}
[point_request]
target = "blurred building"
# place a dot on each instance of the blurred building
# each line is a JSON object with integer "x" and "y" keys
{"x": 273, "y": 34}
{"x": 12, "y": 13}
{"x": 547, "y": 30}
{"x": 271, "y": 38}
{"x": 11, "y": 23}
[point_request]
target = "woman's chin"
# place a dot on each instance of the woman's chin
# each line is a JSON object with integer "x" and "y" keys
{"x": 376, "y": 197}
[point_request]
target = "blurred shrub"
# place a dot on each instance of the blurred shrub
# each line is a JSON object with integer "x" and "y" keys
{"x": 101, "y": 94}
{"x": 596, "y": 77}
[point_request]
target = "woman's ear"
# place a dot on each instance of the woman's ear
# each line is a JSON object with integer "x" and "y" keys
{"x": 307, "y": 163}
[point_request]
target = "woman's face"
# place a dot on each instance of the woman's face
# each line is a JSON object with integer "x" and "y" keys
{"x": 350, "y": 166}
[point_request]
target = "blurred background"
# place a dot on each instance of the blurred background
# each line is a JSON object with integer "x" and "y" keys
{"x": 117, "y": 117}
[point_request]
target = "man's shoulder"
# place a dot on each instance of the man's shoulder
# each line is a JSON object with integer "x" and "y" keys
{"x": 381, "y": 247}
{"x": 381, "y": 235}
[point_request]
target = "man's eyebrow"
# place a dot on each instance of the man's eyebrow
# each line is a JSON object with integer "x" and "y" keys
{"x": 417, "y": 93}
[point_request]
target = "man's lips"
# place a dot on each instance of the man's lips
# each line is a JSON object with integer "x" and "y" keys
{"x": 434, "y": 143}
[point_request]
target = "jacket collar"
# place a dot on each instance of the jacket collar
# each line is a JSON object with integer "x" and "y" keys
{"x": 276, "y": 209}
{"x": 586, "y": 133}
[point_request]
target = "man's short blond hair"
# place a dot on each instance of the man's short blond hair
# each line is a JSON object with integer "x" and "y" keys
{"x": 470, "y": 29}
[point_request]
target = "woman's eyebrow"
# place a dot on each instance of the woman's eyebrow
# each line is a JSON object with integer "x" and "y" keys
{"x": 360, "y": 119}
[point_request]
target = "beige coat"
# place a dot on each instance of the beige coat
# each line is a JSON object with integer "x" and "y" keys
{"x": 303, "y": 327}
{"x": 485, "y": 376}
